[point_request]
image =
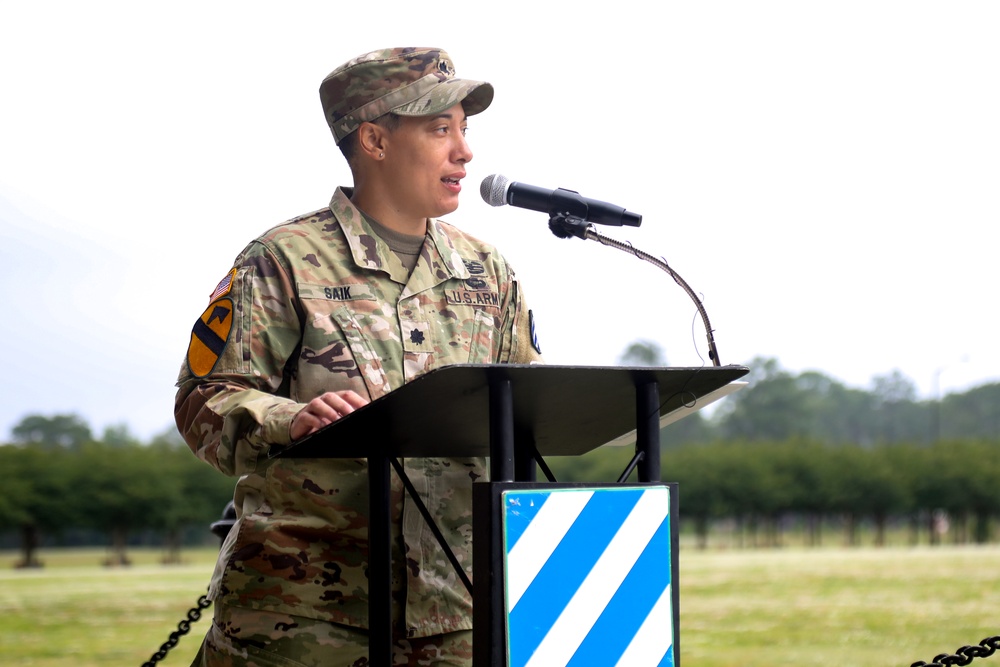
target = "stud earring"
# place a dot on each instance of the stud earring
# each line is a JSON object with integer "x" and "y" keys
{"x": 381, "y": 155}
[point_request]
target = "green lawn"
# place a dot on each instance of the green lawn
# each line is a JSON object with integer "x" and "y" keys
{"x": 836, "y": 607}
{"x": 76, "y": 612}
{"x": 856, "y": 607}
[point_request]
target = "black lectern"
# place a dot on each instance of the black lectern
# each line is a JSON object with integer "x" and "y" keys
{"x": 516, "y": 415}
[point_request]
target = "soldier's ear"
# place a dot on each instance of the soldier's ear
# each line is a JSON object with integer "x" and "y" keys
{"x": 371, "y": 140}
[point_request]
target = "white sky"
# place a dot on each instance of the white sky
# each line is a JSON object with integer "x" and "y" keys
{"x": 825, "y": 174}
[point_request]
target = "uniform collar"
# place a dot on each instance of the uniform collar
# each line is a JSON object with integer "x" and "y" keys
{"x": 371, "y": 252}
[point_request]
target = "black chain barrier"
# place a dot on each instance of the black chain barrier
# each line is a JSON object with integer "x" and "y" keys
{"x": 183, "y": 628}
{"x": 964, "y": 655}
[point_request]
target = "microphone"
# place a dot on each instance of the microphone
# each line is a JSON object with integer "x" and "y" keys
{"x": 497, "y": 190}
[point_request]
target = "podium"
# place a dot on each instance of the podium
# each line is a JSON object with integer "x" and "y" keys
{"x": 517, "y": 415}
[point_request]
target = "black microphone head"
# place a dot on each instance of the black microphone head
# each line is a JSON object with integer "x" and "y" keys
{"x": 494, "y": 189}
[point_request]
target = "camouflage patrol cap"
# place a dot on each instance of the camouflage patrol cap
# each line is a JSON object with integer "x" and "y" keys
{"x": 407, "y": 81}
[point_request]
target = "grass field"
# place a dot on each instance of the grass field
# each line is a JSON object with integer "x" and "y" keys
{"x": 859, "y": 607}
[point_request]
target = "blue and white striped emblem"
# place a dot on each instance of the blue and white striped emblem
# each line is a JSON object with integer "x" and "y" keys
{"x": 588, "y": 577}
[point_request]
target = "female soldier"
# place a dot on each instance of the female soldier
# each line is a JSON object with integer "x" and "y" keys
{"x": 319, "y": 316}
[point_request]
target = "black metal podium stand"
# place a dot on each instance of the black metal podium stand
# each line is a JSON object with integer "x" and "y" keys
{"x": 510, "y": 413}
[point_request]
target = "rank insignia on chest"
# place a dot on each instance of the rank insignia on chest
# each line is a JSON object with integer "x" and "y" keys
{"x": 416, "y": 336}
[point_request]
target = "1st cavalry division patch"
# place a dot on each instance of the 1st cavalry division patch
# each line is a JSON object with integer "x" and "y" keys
{"x": 209, "y": 337}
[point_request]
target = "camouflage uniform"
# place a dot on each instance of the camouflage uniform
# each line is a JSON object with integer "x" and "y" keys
{"x": 319, "y": 304}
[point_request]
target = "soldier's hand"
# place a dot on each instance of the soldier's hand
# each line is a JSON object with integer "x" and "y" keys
{"x": 323, "y": 410}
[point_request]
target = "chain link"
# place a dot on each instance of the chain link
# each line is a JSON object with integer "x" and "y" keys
{"x": 964, "y": 655}
{"x": 183, "y": 628}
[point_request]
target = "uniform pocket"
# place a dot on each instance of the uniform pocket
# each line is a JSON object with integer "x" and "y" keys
{"x": 481, "y": 338}
{"x": 357, "y": 350}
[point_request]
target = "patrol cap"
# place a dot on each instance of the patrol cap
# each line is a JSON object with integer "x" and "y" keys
{"x": 409, "y": 81}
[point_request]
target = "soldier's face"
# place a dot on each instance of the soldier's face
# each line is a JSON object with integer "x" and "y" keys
{"x": 425, "y": 160}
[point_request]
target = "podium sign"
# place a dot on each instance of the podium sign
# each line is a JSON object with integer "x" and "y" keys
{"x": 587, "y": 576}
{"x": 578, "y": 575}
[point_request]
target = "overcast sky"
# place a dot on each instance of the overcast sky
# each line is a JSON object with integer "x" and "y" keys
{"x": 824, "y": 174}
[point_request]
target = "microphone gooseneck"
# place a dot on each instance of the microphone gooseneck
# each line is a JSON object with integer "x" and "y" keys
{"x": 594, "y": 235}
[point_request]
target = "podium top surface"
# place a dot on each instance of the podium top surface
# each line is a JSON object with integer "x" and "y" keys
{"x": 564, "y": 410}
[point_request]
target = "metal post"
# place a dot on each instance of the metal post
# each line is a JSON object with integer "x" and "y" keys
{"x": 379, "y": 563}
{"x": 647, "y": 425}
{"x": 525, "y": 469}
{"x": 501, "y": 430}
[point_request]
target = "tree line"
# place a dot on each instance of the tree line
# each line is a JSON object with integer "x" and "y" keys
{"x": 779, "y": 405}
{"x": 799, "y": 450}
{"x": 807, "y": 451}
{"x": 60, "y": 480}
{"x": 762, "y": 489}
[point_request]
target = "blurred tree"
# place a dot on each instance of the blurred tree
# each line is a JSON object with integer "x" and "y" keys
{"x": 972, "y": 414}
{"x": 983, "y": 482}
{"x": 36, "y": 496}
{"x": 833, "y": 412}
{"x": 171, "y": 438}
{"x": 855, "y": 483}
{"x": 887, "y": 493}
{"x": 779, "y": 405}
{"x": 963, "y": 477}
{"x": 123, "y": 491}
{"x": 753, "y": 490}
{"x": 642, "y": 353}
{"x": 15, "y": 500}
{"x": 894, "y": 388}
{"x": 67, "y": 430}
{"x": 899, "y": 418}
{"x": 773, "y": 407}
{"x": 803, "y": 466}
{"x": 699, "y": 487}
{"x": 197, "y": 494}
{"x": 910, "y": 464}
{"x": 118, "y": 436}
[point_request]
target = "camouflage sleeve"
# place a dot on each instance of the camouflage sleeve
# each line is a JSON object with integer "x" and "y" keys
{"x": 519, "y": 329}
{"x": 229, "y": 405}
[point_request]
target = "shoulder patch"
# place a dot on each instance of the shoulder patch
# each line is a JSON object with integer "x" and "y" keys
{"x": 225, "y": 285}
{"x": 534, "y": 334}
{"x": 210, "y": 336}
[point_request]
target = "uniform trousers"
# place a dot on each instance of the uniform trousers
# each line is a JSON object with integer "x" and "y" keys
{"x": 242, "y": 637}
